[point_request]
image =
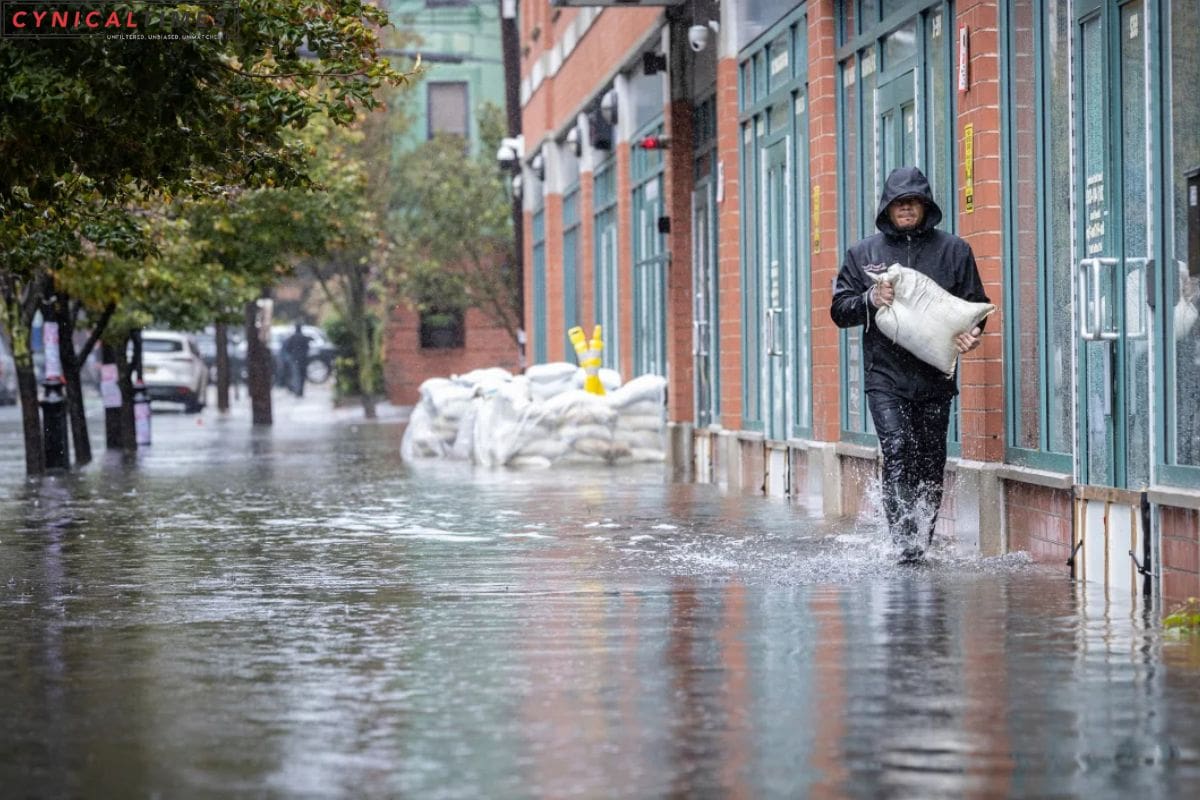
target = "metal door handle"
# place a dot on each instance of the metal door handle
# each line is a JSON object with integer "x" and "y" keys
{"x": 1085, "y": 332}
{"x": 1098, "y": 331}
{"x": 1090, "y": 307}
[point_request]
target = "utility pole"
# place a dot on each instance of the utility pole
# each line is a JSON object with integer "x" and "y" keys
{"x": 511, "y": 49}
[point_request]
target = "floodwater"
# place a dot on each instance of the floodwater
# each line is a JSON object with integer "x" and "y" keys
{"x": 297, "y": 613}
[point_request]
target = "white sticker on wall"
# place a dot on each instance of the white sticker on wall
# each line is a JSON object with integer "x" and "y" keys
{"x": 1133, "y": 26}
{"x": 937, "y": 25}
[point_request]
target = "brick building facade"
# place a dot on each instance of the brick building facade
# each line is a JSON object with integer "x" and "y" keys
{"x": 712, "y": 261}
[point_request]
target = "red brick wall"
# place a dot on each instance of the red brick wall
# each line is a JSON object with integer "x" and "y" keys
{"x": 586, "y": 256}
{"x": 556, "y": 331}
{"x": 822, "y": 128}
{"x": 1039, "y": 522}
{"x": 1180, "y": 532}
{"x": 729, "y": 260}
{"x": 678, "y": 192}
{"x": 982, "y": 399}
{"x": 406, "y": 365}
{"x": 616, "y": 32}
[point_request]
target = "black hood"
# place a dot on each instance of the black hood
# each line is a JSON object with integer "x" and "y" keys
{"x": 907, "y": 182}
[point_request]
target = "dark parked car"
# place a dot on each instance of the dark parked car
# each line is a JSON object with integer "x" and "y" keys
{"x": 8, "y": 375}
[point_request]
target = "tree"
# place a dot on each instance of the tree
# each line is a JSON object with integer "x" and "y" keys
{"x": 450, "y": 226}
{"x": 94, "y": 126}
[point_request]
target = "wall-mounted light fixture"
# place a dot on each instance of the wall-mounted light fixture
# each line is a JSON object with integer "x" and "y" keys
{"x": 538, "y": 165}
{"x": 573, "y": 141}
{"x": 608, "y": 106}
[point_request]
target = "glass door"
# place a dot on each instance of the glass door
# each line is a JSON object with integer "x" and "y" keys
{"x": 775, "y": 267}
{"x": 897, "y": 112}
{"x": 704, "y": 313}
{"x": 1114, "y": 239}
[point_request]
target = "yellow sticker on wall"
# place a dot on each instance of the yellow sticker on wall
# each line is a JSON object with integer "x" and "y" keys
{"x": 969, "y": 168}
{"x": 816, "y": 219}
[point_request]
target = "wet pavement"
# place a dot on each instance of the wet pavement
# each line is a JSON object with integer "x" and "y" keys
{"x": 297, "y": 613}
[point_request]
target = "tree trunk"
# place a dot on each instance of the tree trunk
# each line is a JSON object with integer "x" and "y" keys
{"x": 258, "y": 368}
{"x": 356, "y": 289}
{"x": 125, "y": 382}
{"x": 72, "y": 368}
{"x": 16, "y": 312}
{"x": 31, "y": 419}
{"x": 222, "y": 368}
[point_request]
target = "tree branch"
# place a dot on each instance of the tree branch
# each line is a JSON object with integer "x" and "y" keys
{"x": 97, "y": 332}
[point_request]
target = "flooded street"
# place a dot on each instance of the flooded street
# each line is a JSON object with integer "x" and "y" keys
{"x": 296, "y": 612}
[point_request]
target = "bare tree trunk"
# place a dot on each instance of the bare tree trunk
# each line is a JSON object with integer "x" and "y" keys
{"x": 31, "y": 420}
{"x": 72, "y": 369}
{"x": 258, "y": 368}
{"x": 222, "y": 368}
{"x": 16, "y": 313}
{"x": 364, "y": 351}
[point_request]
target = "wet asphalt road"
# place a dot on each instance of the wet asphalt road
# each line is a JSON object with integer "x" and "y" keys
{"x": 297, "y": 613}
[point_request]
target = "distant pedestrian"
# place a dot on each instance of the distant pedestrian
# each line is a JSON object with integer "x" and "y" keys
{"x": 295, "y": 354}
{"x": 909, "y": 399}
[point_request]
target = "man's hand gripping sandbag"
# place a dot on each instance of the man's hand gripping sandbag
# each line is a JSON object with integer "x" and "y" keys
{"x": 924, "y": 318}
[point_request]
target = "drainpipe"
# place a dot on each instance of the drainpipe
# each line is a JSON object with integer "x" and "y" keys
{"x": 510, "y": 44}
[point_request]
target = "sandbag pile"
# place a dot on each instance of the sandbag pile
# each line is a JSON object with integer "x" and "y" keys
{"x": 538, "y": 419}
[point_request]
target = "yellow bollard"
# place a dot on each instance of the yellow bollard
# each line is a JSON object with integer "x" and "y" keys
{"x": 589, "y": 357}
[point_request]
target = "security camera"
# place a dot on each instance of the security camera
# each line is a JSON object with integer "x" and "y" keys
{"x": 698, "y": 37}
{"x": 508, "y": 155}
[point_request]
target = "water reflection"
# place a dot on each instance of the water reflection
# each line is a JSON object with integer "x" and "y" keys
{"x": 296, "y": 612}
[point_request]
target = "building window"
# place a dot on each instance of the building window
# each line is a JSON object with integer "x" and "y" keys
{"x": 442, "y": 329}
{"x": 605, "y": 288}
{"x": 1038, "y": 234}
{"x": 540, "y": 349}
{"x": 448, "y": 109}
{"x": 1182, "y": 277}
{"x": 895, "y": 109}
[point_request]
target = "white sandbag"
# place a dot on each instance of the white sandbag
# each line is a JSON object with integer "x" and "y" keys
{"x": 643, "y": 408}
{"x": 577, "y": 407}
{"x": 593, "y": 447}
{"x": 548, "y": 380}
{"x": 569, "y": 433}
{"x": 464, "y": 440}
{"x": 640, "y": 422}
{"x": 924, "y": 318}
{"x": 445, "y": 398}
{"x": 642, "y": 388}
{"x": 529, "y": 462}
{"x": 420, "y": 440}
{"x": 646, "y": 439}
{"x": 483, "y": 377}
{"x": 644, "y": 455}
{"x": 546, "y": 448}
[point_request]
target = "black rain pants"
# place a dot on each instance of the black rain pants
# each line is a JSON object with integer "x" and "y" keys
{"x": 912, "y": 437}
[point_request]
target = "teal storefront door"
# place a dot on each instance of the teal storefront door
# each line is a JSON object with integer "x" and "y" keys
{"x": 704, "y": 294}
{"x": 1116, "y": 220}
{"x": 775, "y": 268}
{"x": 1116, "y": 228}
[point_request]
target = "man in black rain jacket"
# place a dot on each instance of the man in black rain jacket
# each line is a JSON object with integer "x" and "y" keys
{"x": 909, "y": 399}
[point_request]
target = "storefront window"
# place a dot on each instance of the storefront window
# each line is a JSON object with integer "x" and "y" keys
{"x": 1183, "y": 278}
{"x": 1039, "y": 233}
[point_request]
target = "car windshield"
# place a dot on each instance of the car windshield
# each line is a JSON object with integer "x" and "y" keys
{"x": 161, "y": 346}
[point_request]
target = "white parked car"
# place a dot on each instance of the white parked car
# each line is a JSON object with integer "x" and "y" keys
{"x": 173, "y": 369}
